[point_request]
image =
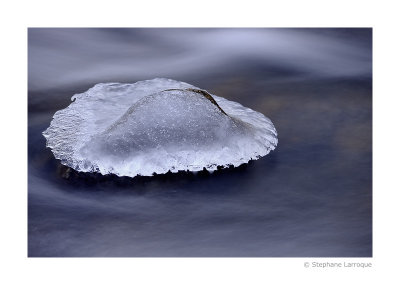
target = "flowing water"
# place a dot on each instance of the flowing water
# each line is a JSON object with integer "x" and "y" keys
{"x": 312, "y": 196}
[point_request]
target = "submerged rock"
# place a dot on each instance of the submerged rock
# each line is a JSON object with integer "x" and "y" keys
{"x": 156, "y": 126}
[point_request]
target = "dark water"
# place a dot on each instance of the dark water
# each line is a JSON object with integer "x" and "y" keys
{"x": 312, "y": 196}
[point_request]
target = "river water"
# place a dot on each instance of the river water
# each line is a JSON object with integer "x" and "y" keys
{"x": 311, "y": 197}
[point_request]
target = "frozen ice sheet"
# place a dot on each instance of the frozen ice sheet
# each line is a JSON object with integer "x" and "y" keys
{"x": 156, "y": 126}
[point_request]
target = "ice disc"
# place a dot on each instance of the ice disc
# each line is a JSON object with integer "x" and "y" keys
{"x": 156, "y": 126}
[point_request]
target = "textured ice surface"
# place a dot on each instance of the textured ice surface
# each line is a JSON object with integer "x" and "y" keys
{"x": 156, "y": 126}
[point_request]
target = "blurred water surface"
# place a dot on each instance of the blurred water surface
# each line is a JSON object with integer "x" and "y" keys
{"x": 312, "y": 196}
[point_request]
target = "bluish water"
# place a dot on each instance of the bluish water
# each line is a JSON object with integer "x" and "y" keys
{"x": 312, "y": 196}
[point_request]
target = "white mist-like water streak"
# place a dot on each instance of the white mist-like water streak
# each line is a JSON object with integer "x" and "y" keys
{"x": 65, "y": 57}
